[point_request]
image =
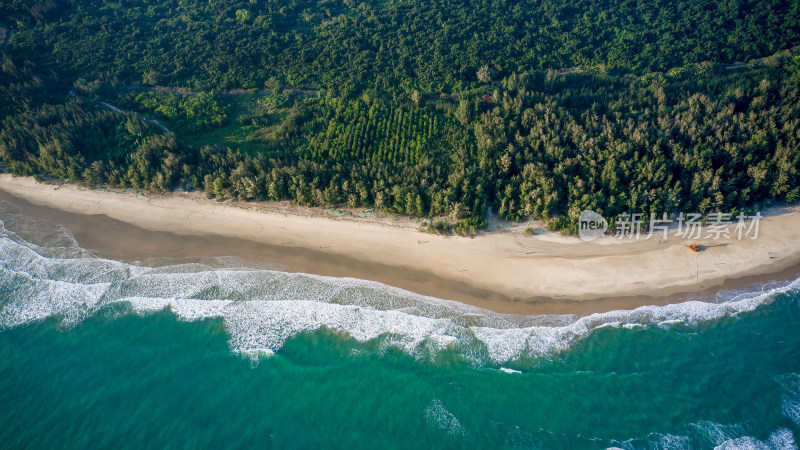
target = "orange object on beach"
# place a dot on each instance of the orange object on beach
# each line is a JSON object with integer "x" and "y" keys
{"x": 694, "y": 247}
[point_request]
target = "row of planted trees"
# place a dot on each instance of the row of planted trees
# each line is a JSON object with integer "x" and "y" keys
{"x": 548, "y": 148}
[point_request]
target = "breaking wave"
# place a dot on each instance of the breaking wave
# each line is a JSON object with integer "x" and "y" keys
{"x": 713, "y": 435}
{"x": 262, "y": 308}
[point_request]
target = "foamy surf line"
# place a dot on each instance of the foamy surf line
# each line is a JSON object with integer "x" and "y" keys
{"x": 262, "y": 309}
{"x": 716, "y": 436}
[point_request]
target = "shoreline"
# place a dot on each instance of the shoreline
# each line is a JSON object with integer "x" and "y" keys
{"x": 503, "y": 270}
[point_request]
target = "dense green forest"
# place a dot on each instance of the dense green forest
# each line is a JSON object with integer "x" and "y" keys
{"x": 391, "y": 46}
{"x": 431, "y": 109}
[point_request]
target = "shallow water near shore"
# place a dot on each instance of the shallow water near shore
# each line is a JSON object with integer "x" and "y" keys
{"x": 218, "y": 352}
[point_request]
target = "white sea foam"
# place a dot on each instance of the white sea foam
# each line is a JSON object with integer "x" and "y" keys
{"x": 657, "y": 441}
{"x": 436, "y": 415}
{"x": 672, "y": 442}
{"x": 263, "y": 308}
{"x": 258, "y": 325}
{"x": 791, "y": 397}
{"x": 714, "y": 435}
{"x": 505, "y": 344}
{"x": 781, "y": 439}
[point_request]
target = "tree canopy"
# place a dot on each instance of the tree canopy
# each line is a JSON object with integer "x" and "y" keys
{"x": 536, "y": 109}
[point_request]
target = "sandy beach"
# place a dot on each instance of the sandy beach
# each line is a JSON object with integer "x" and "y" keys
{"x": 504, "y": 270}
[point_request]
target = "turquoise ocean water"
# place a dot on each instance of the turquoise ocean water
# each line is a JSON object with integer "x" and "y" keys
{"x": 220, "y": 353}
